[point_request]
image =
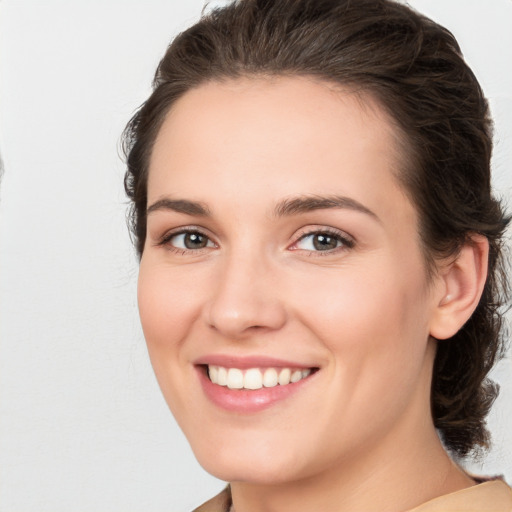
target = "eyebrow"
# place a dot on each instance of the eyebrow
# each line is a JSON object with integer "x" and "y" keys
{"x": 304, "y": 204}
{"x": 285, "y": 208}
{"x": 180, "y": 206}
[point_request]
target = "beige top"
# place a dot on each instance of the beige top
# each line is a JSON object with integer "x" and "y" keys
{"x": 492, "y": 496}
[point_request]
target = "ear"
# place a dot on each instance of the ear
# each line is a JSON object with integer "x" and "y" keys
{"x": 461, "y": 283}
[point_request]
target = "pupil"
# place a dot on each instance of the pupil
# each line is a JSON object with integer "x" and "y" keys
{"x": 195, "y": 241}
{"x": 324, "y": 242}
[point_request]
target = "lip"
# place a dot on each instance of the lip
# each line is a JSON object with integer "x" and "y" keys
{"x": 243, "y": 363}
{"x": 245, "y": 401}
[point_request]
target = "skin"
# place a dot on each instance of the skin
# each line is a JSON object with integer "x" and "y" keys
{"x": 359, "y": 432}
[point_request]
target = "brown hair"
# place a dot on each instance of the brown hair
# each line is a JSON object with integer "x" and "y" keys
{"x": 414, "y": 68}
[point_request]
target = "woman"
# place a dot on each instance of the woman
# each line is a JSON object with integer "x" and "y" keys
{"x": 320, "y": 252}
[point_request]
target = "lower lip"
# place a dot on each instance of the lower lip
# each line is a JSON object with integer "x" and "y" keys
{"x": 247, "y": 400}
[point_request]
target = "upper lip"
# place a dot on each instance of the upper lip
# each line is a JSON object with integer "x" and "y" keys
{"x": 255, "y": 361}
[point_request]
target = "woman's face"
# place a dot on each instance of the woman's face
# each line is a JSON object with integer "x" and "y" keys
{"x": 281, "y": 246}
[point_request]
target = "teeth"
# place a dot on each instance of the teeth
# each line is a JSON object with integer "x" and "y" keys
{"x": 235, "y": 378}
{"x": 270, "y": 378}
{"x": 222, "y": 378}
{"x": 213, "y": 372}
{"x": 296, "y": 376}
{"x": 284, "y": 376}
{"x": 255, "y": 378}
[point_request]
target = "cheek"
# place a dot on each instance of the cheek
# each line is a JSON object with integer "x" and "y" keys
{"x": 376, "y": 318}
{"x": 376, "y": 330}
{"x": 168, "y": 305}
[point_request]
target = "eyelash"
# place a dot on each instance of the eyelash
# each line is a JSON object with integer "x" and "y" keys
{"x": 346, "y": 242}
{"x": 166, "y": 239}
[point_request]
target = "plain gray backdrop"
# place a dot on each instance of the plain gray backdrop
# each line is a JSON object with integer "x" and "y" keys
{"x": 83, "y": 426}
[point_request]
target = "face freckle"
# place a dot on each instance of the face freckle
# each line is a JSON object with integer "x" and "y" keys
{"x": 334, "y": 285}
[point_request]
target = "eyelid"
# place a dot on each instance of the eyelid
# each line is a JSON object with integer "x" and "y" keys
{"x": 348, "y": 241}
{"x": 168, "y": 235}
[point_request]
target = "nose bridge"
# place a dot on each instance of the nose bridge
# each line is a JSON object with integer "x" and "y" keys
{"x": 244, "y": 297}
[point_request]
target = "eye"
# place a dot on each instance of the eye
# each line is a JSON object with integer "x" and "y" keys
{"x": 188, "y": 240}
{"x": 322, "y": 241}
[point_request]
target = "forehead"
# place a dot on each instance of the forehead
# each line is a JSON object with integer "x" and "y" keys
{"x": 277, "y": 136}
{"x": 238, "y": 102}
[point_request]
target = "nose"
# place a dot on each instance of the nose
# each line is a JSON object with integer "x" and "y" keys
{"x": 246, "y": 299}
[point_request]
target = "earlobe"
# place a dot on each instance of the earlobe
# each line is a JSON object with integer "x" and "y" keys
{"x": 462, "y": 284}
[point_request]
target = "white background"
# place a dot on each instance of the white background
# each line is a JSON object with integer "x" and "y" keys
{"x": 83, "y": 426}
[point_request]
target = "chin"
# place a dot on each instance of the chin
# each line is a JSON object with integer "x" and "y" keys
{"x": 258, "y": 466}
{"x": 266, "y": 474}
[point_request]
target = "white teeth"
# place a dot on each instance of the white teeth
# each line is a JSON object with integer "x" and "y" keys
{"x": 270, "y": 378}
{"x": 296, "y": 376}
{"x": 235, "y": 379}
{"x": 284, "y": 376}
{"x": 213, "y": 373}
{"x": 255, "y": 378}
{"x": 222, "y": 377}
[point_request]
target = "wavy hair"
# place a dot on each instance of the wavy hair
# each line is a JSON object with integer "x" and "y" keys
{"x": 415, "y": 70}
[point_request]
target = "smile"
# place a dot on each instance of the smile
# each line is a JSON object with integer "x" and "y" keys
{"x": 247, "y": 385}
{"x": 255, "y": 378}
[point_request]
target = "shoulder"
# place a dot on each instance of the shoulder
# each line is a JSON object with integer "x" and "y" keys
{"x": 219, "y": 503}
{"x": 491, "y": 496}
